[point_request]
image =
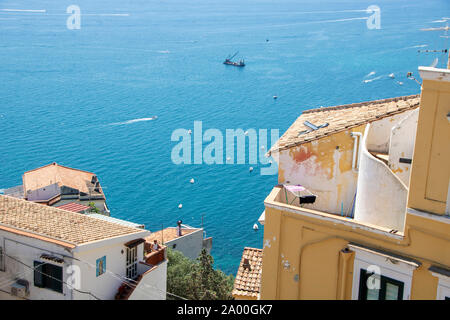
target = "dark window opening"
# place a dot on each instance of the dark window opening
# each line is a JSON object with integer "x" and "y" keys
{"x": 48, "y": 276}
{"x": 389, "y": 289}
{"x": 2, "y": 267}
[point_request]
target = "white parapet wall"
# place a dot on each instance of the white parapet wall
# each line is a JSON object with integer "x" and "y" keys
{"x": 190, "y": 244}
{"x": 381, "y": 196}
{"x": 403, "y": 136}
{"x": 153, "y": 285}
{"x": 380, "y": 132}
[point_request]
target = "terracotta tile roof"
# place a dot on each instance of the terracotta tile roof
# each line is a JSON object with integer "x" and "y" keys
{"x": 55, "y": 173}
{"x": 46, "y": 222}
{"x": 248, "y": 277}
{"x": 168, "y": 234}
{"x": 341, "y": 118}
{"x": 74, "y": 207}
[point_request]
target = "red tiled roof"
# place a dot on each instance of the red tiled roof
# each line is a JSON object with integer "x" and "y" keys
{"x": 74, "y": 207}
{"x": 248, "y": 277}
{"x": 67, "y": 228}
{"x": 63, "y": 176}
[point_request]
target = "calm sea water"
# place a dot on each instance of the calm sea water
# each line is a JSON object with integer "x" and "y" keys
{"x": 69, "y": 95}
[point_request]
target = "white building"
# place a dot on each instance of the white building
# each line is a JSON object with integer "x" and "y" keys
{"x": 190, "y": 242}
{"x": 56, "y": 185}
{"x": 49, "y": 253}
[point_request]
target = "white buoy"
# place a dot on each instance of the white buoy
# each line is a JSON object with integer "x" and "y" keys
{"x": 192, "y": 180}
{"x": 255, "y": 227}
{"x": 275, "y": 97}
{"x": 262, "y": 147}
{"x": 270, "y": 161}
{"x": 400, "y": 83}
{"x": 180, "y": 206}
{"x": 228, "y": 158}
{"x": 246, "y": 133}
{"x": 155, "y": 117}
{"x": 392, "y": 76}
{"x": 190, "y": 131}
{"x": 251, "y": 169}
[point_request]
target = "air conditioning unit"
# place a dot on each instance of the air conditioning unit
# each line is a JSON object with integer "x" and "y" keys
{"x": 20, "y": 288}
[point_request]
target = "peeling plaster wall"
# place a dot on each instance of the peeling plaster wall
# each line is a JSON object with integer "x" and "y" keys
{"x": 403, "y": 136}
{"x": 324, "y": 167}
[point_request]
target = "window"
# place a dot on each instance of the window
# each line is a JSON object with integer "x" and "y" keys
{"x": 48, "y": 276}
{"x": 390, "y": 289}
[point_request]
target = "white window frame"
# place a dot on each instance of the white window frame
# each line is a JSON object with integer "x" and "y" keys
{"x": 131, "y": 263}
{"x": 443, "y": 289}
{"x": 392, "y": 268}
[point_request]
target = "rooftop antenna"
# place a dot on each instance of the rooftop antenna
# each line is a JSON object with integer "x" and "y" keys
{"x": 446, "y": 36}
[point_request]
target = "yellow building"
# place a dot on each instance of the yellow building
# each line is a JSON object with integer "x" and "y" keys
{"x": 362, "y": 206}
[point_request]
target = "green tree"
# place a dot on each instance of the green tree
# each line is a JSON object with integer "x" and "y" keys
{"x": 197, "y": 280}
{"x": 93, "y": 207}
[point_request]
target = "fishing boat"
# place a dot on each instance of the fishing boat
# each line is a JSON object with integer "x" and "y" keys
{"x": 229, "y": 62}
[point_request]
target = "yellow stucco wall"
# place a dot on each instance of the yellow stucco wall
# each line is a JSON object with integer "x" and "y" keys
{"x": 430, "y": 171}
{"x": 311, "y": 246}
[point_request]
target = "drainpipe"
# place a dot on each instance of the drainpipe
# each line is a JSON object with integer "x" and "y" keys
{"x": 344, "y": 262}
{"x": 356, "y": 149}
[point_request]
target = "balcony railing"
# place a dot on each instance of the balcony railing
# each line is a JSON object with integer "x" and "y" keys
{"x": 156, "y": 257}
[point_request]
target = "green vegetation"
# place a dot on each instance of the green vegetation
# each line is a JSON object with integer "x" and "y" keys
{"x": 93, "y": 207}
{"x": 196, "y": 280}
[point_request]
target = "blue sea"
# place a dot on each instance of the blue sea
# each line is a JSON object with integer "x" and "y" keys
{"x": 74, "y": 96}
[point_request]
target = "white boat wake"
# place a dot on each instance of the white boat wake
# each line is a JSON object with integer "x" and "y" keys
{"x": 133, "y": 121}
{"x": 370, "y": 80}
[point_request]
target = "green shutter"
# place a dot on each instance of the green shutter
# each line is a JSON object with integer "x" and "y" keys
{"x": 38, "y": 276}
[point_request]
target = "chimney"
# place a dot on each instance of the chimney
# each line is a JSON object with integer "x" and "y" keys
{"x": 246, "y": 264}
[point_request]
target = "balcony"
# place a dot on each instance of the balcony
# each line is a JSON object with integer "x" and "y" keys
{"x": 276, "y": 200}
{"x": 148, "y": 277}
{"x": 155, "y": 257}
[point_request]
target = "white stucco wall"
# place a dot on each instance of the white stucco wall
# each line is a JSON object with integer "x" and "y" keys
{"x": 28, "y": 250}
{"x": 380, "y": 134}
{"x": 403, "y": 136}
{"x": 81, "y": 261}
{"x": 381, "y": 195}
{"x": 190, "y": 244}
{"x": 106, "y": 285}
{"x": 153, "y": 284}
